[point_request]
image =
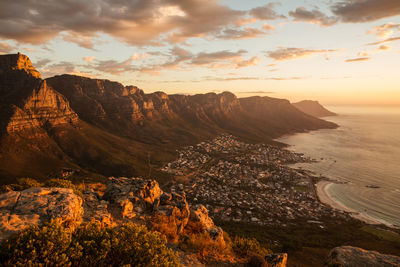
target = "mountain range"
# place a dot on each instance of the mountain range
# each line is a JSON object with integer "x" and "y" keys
{"x": 102, "y": 128}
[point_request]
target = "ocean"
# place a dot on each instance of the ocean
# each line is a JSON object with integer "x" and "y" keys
{"x": 364, "y": 152}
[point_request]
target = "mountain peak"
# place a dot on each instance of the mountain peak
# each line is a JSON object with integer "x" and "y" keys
{"x": 313, "y": 108}
{"x": 12, "y": 62}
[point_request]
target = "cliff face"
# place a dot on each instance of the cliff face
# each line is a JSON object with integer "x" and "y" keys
{"x": 280, "y": 116}
{"x": 313, "y": 108}
{"x": 19, "y": 63}
{"x": 99, "y": 101}
{"x": 106, "y": 128}
{"x": 26, "y": 101}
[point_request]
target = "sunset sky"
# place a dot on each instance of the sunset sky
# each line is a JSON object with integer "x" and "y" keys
{"x": 337, "y": 52}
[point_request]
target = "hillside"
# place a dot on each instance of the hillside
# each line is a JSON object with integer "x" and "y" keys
{"x": 313, "y": 108}
{"x": 101, "y": 128}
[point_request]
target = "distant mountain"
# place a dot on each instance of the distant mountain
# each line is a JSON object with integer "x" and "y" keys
{"x": 313, "y": 108}
{"x": 102, "y": 128}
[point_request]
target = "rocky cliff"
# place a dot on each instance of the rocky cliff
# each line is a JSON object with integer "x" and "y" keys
{"x": 313, "y": 108}
{"x": 26, "y": 101}
{"x": 104, "y": 128}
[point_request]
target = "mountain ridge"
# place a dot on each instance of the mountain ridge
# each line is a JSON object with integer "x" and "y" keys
{"x": 104, "y": 128}
{"x": 313, "y": 108}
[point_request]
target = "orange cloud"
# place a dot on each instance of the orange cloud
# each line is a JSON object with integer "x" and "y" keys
{"x": 358, "y": 59}
{"x": 283, "y": 53}
{"x": 314, "y": 16}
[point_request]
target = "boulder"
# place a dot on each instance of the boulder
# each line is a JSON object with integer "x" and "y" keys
{"x": 18, "y": 210}
{"x": 142, "y": 199}
{"x": 276, "y": 260}
{"x": 96, "y": 209}
{"x": 348, "y": 256}
{"x": 199, "y": 214}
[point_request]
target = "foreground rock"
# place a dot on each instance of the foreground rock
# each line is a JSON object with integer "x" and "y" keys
{"x": 18, "y": 210}
{"x": 276, "y": 260}
{"x": 142, "y": 200}
{"x": 348, "y": 256}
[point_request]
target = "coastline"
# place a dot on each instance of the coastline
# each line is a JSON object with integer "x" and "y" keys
{"x": 325, "y": 198}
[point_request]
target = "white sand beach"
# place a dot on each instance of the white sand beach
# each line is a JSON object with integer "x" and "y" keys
{"x": 324, "y": 197}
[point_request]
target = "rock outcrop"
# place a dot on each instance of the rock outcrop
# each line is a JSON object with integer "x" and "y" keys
{"x": 26, "y": 101}
{"x": 348, "y": 256}
{"x": 17, "y": 62}
{"x": 276, "y": 260}
{"x": 18, "y": 210}
{"x": 142, "y": 200}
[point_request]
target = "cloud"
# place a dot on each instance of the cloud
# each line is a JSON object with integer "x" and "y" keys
{"x": 227, "y": 79}
{"x": 204, "y": 58}
{"x": 62, "y": 68}
{"x": 268, "y": 27}
{"x": 389, "y": 40}
{"x": 5, "y": 48}
{"x": 246, "y": 63}
{"x": 41, "y": 63}
{"x": 365, "y": 10}
{"x": 88, "y": 59}
{"x": 358, "y": 59}
{"x": 385, "y": 30}
{"x": 113, "y": 66}
{"x": 314, "y": 16}
{"x": 83, "y": 40}
{"x": 266, "y": 12}
{"x": 286, "y": 78}
{"x": 283, "y": 53}
{"x": 140, "y": 22}
{"x": 178, "y": 58}
{"x": 257, "y": 92}
{"x": 246, "y": 33}
{"x": 384, "y": 48}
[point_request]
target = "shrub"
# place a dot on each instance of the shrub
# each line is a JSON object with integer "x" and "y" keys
{"x": 135, "y": 245}
{"x": 22, "y": 184}
{"x": 94, "y": 244}
{"x": 166, "y": 226}
{"x": 62, "y": 183}
{"x": 89, "y": 245}
{"x": 47, "y": 245}
{"x": 245, "y": 247}
{"x": 206, "y": 247}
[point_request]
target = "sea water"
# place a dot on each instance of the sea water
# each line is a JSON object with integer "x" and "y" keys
{"x": 364, "y": 154}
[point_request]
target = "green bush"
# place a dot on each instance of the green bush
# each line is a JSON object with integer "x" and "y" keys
{"x": 135, "y": 245}
{"x": 245, "y": 247}
{"x": 22, "y": 184}
{"x": 62, "y": 183}
{"x": 48, "y": 245}
{"x": 88, "y": 245}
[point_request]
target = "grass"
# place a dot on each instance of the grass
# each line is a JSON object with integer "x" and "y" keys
{"x": 308, "y": 244}
{"x": 302, "y": 188}
{"x": 383, "y": 234}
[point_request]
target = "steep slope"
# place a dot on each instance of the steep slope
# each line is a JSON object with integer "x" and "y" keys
{"x": 103, "y": 128}
{"x": 313, "y": 108}
{"x": 279, "y": 117}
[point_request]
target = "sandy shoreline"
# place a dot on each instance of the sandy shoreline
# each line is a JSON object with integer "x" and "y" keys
{"x": 325, "y": 198}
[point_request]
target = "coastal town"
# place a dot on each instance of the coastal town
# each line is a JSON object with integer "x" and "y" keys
{"x": 252, "y": 183}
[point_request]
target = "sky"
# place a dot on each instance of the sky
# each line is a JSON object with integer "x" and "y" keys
{"x": 344, "y": 52}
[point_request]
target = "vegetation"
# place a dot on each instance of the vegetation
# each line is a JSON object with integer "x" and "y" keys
{"x": 206, "y": 248}
{"x": 62, "y": 183}
{"x": 310, "y": 243}
{"x": 248, "y": 247}
{"x": 89, "y": 245}
{"x": 25, "y": 183}
{"x": 22, "y": 184}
